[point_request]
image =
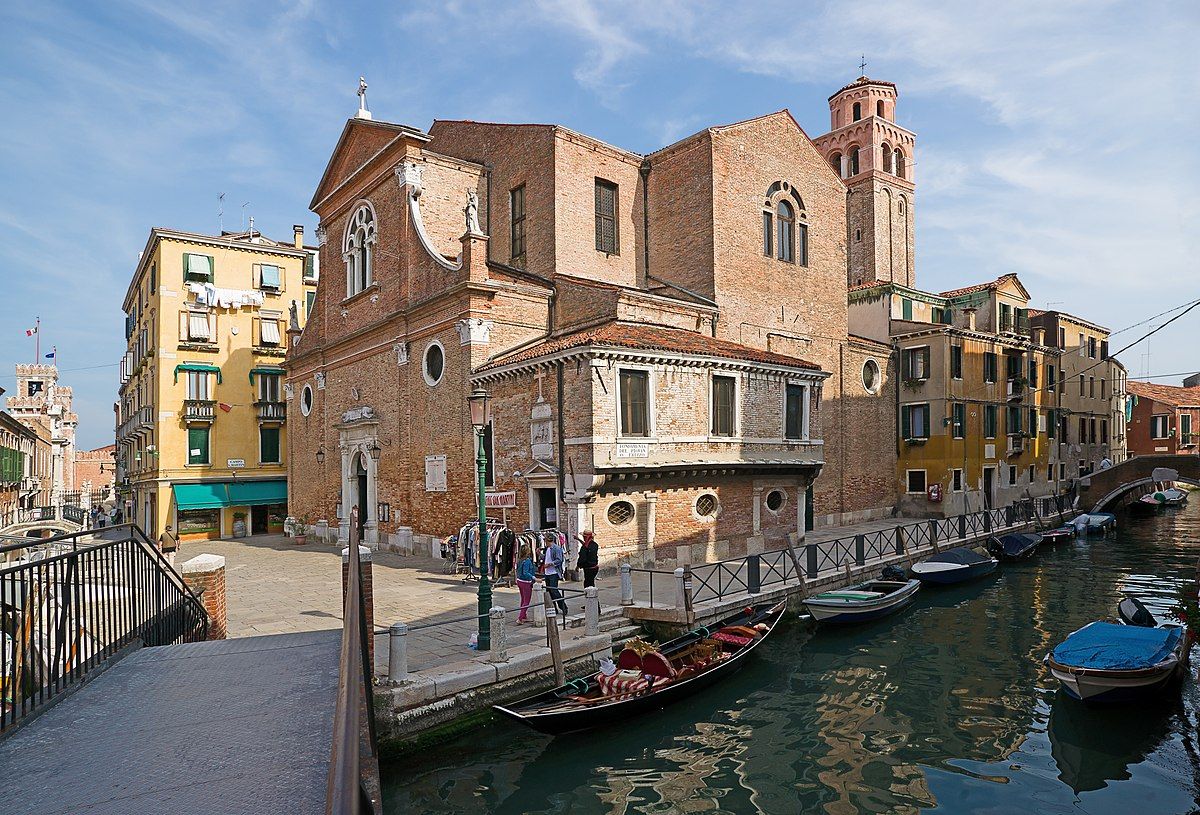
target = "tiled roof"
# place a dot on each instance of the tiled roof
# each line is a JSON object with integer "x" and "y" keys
{"x": 862, "y": 80}
{"x": 868, "y": 284}
{"x": 643, "y": 336}
{"x": 978, "y": 286}
{"x": 1167, "y": 394}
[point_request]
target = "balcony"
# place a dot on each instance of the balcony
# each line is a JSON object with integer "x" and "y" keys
{"x": 140, "y": 419}
{"x": 1011, "y": 324}
{"x": 1017, "y": 387}
{"x": 271, "y": 411}
{"x": 199, "y": 410}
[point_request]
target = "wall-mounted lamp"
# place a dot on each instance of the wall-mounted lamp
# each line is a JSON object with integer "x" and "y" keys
{"x": 320, "y": 455}
{"x": 375, "y": 450}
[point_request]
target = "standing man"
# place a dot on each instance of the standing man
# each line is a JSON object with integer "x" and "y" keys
{"x": 589, "y": 558}
{"x": 552, "y": 568}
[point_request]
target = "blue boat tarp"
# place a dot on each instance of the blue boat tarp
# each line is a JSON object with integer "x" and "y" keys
{"x": 963, "y": 554}
{"x": 1112, "y": 647}
{"x": 1017, "y": 544}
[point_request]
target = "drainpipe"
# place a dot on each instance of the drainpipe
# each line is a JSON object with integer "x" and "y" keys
{"x": 562, "y": 452}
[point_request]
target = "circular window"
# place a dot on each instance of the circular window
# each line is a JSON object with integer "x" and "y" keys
{"x": 306, "y": 400}
{"x": 620, "y": 513}
{"x": 871, "y": 376}
{"x": 776, "y": 499}
{"x": 706, "y": 505}
{"x": 435, "y": 363}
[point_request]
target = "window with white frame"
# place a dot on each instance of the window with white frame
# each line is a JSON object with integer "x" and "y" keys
{"x": 795, "y": 410}
{"x": 197, "y": 385}
{"x": 358, "y": 250}
{"x": 914, "y": 421}
{"x": 956, "y": 481}
{"x": 1160, "y": 426}
{"x": 916, "y": 482}
{"x": 268, "y": 387}
{"x": 634, "y": 396}
{"x": 268, "y": 328}
{"x": 724, "y": 405}
{"x": 270, "y": 277}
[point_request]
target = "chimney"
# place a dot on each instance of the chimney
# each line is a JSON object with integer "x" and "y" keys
{"x": 970, "y": 312}
{"x": 298, "y": 235}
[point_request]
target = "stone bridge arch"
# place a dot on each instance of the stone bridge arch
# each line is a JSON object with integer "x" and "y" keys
{"x": 58, "y": 526}
{"x": 1104, "y": 488}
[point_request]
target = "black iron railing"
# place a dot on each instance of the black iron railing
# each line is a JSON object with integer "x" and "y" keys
{"x": 353, "y": 739}
{"x": 68, "y": 604}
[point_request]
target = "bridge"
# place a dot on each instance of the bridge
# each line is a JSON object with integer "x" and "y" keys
{"x": 1107, "y": 488}
{"x": 62, "y": 518}
{"x": 113, "y": 699}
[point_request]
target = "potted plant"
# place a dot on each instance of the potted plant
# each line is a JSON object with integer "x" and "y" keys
{"x": 239, "y": 524}
{"x": 300, "y": 530}
{"x": 912, "y": 382}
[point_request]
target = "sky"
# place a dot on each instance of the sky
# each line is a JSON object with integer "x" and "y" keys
{"x": 1054, "y": 139}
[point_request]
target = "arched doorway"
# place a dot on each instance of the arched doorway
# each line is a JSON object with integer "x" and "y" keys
{"x": 360, "y": 496}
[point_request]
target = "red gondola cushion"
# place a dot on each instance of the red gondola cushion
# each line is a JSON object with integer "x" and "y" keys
{"x": 655, "y": 664}
{"x": 629, "y": 660}
{"x": 612, "y": 685}
{"x": 732, "y": 639}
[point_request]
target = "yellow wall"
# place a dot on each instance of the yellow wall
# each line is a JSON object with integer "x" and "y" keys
{"x": 236, "y": 346}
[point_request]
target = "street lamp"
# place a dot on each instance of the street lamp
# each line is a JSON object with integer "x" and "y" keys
{"x": 376, "y": 451}
{"x": 320, "y": 455}
{"x": 480, "y": 415}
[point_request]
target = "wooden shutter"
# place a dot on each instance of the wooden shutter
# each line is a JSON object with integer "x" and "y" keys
{"x": 906, "y": 422}
{"x": 606, "y": 217}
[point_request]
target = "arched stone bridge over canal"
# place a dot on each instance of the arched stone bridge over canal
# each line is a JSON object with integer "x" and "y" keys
{"x": 1105, "y": 488}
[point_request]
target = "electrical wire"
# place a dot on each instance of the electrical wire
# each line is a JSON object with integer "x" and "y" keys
{"x": 1151, "y": 319}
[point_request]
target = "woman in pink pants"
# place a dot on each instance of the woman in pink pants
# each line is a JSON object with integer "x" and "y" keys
{"x": 525, "y": 574}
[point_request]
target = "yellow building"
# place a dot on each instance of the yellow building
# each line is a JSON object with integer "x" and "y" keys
{"x": 977, "y": 422}
{"x": 202, "y": 410}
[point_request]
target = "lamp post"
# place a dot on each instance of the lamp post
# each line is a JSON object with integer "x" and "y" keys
{"x": 478, "y": 401}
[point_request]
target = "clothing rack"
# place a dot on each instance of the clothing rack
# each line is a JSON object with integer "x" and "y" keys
{"x": 466, "y": 551}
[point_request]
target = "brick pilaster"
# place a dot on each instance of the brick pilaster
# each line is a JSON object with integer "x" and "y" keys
{"x": 205, "y": 575}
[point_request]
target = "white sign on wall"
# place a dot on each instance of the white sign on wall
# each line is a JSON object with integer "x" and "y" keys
{"x": 235, "y": 463}
{"x": 500, "y": 500}
{"x": 989, "y": 451}
{"x": 435, "y": 473}
{"x": 636, "y": 449}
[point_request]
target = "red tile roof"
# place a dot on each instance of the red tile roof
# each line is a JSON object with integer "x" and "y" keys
{"x": 868, "y": 284}
{"x": 979, "y": 286}
{"x": 643, "y": 336}
{"x": 1167, "y": 394}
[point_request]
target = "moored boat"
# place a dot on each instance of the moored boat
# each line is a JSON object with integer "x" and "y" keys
{"x": 1095, "y": 523}
{"x": 1132, "y": 612}
{"x": 1016, "y": 546}
{"x": 647, "y": 677}
{"x": 1148, "y": 504}
{"x": 864, "y": 601}
{"x": 1061, "y": 534}
{"x": 955, "y": 565}
{"x": 1174, "y": 497}
{"x": 1110, "y": 662}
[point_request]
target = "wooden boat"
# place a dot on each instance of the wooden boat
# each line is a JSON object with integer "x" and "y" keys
{"x": 1096, "y": 523}
{"x": 1147, "y": 504}
{"x": 1174, "y": 497}
{"x": 955, "y": 565}
{"x": 1110, "y": 662}
{"x": 649, "y": 677}
{"x": 1061, "y": 534}
{"x": 864, "y": 601}
{"x": 1013, "y": 547}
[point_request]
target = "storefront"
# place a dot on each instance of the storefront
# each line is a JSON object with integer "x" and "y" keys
{"x": 216, "y": 509}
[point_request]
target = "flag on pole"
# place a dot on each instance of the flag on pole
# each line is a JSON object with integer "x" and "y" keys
{"x": 29, "y": 332}
{"x": 52, "y": 354}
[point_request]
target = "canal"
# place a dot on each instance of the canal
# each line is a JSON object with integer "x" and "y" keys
{"x": 944, "y": 707}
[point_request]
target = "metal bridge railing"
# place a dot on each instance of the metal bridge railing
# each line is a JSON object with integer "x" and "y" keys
{"x": 67, "y": 605}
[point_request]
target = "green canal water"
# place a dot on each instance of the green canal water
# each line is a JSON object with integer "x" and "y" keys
{"x": 944, "y": 707}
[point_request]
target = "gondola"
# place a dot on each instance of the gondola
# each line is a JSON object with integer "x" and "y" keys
{"x": 955, "y": 565}
{"x": 862, "y": 602}
{"x": 1016, "y": 546}
{"x": 648, "y": 677}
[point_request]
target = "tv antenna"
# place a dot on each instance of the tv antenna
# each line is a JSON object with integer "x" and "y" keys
{"x": 244, "y": 215}
{"x": 221, "y": 212}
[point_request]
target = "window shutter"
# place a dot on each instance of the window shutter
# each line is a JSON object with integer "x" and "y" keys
{"x": 925, "y": 363}
{"x": 906, "y": 422}
{"x": 270, "y": 332}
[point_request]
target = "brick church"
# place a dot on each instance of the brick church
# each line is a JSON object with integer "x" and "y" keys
{"x": 663, "y": 336}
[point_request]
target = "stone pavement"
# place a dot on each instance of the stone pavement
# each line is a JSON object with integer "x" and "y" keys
{"x": 274, "y": 586}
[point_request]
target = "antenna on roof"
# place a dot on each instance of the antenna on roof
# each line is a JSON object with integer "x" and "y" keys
{"x": 363, "y": 113}
{"x": 244, "y": 215}
{"x": 221, "y": 213}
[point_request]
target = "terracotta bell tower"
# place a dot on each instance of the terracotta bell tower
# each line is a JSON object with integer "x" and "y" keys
{"x": 875, "y": 158}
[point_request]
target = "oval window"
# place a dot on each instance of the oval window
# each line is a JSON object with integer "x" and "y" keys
{"x": 776, "y": 499}
{"x": 871, "y": 376}
{"x": 435, "y": 363}
{"x": 706, "y": 505}
{"x": 620, "y": 513}
{"x": 306, "y": 400}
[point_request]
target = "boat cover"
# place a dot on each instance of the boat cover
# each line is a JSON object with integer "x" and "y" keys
{"x": 963, "y": 554}
{"x": 1112, "y": 647}
{"x": 1018, "y": 543}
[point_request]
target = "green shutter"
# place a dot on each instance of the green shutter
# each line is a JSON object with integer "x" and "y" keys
{"x": 198, "y": 445}
{"x": 269, "y": 445}
{"x": 906, "y": 422}
{"x": 925, "y": 413}
{"x": 906, "y": 308}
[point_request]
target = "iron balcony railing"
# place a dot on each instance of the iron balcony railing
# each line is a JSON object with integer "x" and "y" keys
{"x": 199, "y": 410}
{"x": 69, "y": 605}
{"x": 271, "y": 411}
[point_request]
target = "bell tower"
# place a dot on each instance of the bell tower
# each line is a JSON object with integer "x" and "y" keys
{"x": 874, "y": 157}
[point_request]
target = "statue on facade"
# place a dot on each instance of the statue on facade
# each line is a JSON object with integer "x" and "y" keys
{"x": 293, "y": 317}
{"x": 472, "y": 212}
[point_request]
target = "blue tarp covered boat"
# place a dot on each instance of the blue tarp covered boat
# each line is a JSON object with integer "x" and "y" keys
{"x": 1016, "y": 546}
{"x": 1107, "y": 662}
{"x": 955, "y": 565}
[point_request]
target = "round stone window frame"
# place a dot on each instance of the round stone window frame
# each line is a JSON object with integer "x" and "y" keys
{"x": 872, "y": 365}
{"x": 783, "y": 500}
{"x": 716, "y": 507}
{"x": 608, "y": 514}
{"x": 306, "y": 399}
{"x": 430, "y": 380}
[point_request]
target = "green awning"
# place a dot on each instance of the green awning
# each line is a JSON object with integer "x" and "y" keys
{"x": 266, "y": 369}
{"x": 198, "y": 367}
{"x": 256, "y": 493}
{"x": 201, "y": 496}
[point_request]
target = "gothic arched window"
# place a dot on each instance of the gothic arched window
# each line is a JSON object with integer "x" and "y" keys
{"x": 358, "y": 250}
{"x": 899, "y": 162}
{"x": 887, "y": 157}
{"x": 836, "y": 161}
{"x": 879, "y": 109}
{"x": 852, "y": 154}
{"x": 785, "y": 225}
{"x": 857, "y": 111}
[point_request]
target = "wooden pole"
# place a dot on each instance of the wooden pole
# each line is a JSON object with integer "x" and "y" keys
{"x": 560, "y": 674}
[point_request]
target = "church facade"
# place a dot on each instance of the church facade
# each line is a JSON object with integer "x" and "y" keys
{"x": 664, "y": 336}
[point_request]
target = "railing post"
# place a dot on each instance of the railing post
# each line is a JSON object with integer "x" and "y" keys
{"x": 933, "y": 532}
{"x": 626, "y": 585}
{"x": 537, "y": 603}
{"x": 499, "y": 650}
{"x": 901, "y": 540}
{"x": 398, "y": 652}
{"x": 987, "y": 521}
{"x": 679, "y": 598}
{"x": 962, "y": 526}
{"x": 591, "y": 611}
{"x": 860, "y": 552}
{"x": 550, "y": 612}
{"x": 753, "y": 575}
{"x": 810, "y": 558}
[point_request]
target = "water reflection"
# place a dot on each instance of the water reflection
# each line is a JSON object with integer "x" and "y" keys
{"x": 946, "y": 706}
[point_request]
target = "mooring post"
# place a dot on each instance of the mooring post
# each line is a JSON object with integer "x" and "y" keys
{"x": 537, "y": 603}
{"x": 550, "y": 611}
{"x": 626, "y": 584}
{"x": 398, "y": 652}
{"x": 591, "y": 611}
{"x": 680, "y": 602}
{"x": 499, "y": 649}
{"x": 753, "y": 575}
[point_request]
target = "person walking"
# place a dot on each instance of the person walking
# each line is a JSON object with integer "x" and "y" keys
{"x": 525, "y": 575}
{"x": 168, "y": 544}
{"x": 589, "y": 558}
{"x": 552, "y": 569}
